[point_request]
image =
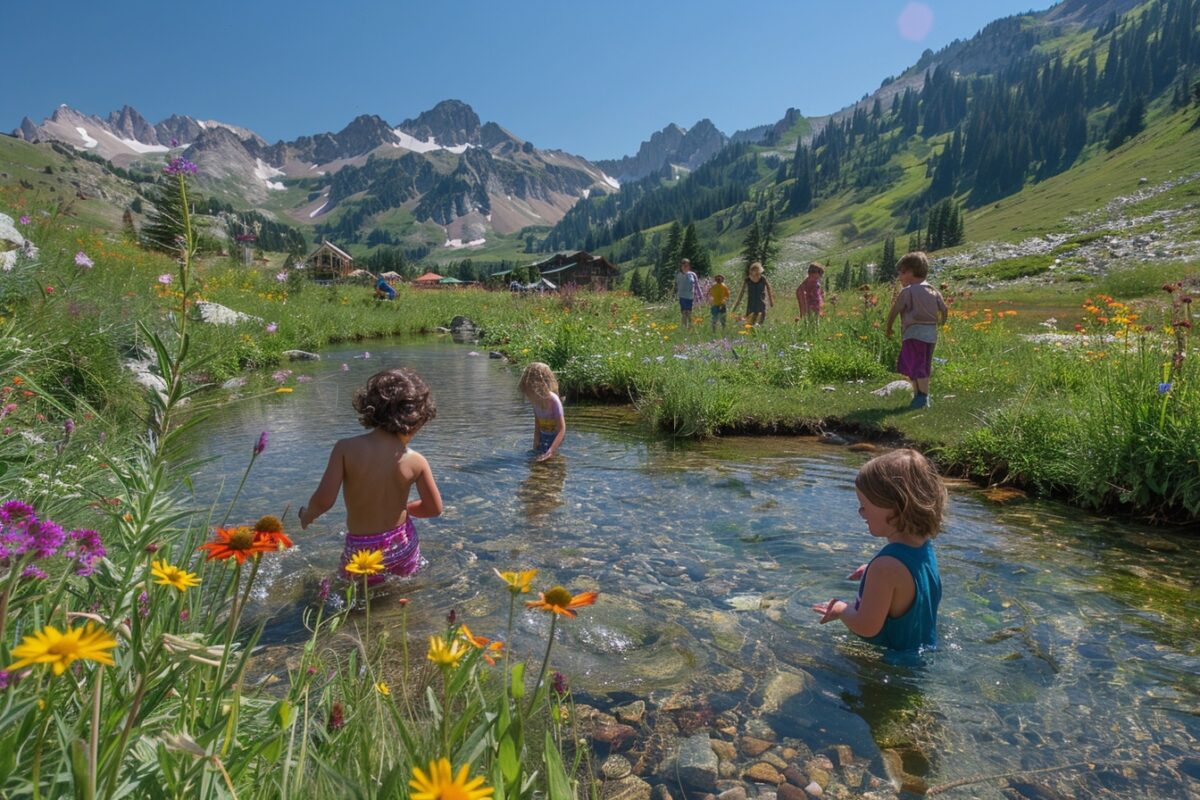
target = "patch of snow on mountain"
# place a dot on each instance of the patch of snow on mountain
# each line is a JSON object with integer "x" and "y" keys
{"x": 613, "y": 182}
{"x": 458, "y": 149}
{"x": 264, "y": 172}
{"x": 88, "y": 141}
{"x": 586, "y": 193}
{"x": 312, "y": 214}
{"x": 412, "y": 143}
{"x": 203, "y": 125}
{"x": 455, "y": 244}
{"x": 138, "y": 147}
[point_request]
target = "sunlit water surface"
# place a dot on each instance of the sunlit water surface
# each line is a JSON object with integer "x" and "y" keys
{"x": 1065, "y": 638}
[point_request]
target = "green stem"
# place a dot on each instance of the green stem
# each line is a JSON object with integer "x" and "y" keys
{"x": 367, "y": 622}
{"x": 94, "y": 744}
{"x": 545, "y": 665}
{"x": 512, "y": 610}
{"x": 238, "y": 493}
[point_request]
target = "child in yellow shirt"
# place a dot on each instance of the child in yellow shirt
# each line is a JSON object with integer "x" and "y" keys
{"x": 718, "y": 296}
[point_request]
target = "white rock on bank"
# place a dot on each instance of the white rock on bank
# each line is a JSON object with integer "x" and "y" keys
{"x": 217, "y": 314}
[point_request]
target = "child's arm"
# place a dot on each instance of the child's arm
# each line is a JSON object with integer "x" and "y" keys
{"x": 327, "y": 490}
{"x": 559, "y": 434}
{"x": 429, "y": 503}
{"x": 536, "y": 433}
{"x": 866, "y": 618}
{"x": 801, "y": 300}
{"x": 741, "y": 291}
{"x": 943, "y": 311}
{"x": 770, "y": 294}
{"x": 891, "y": 318}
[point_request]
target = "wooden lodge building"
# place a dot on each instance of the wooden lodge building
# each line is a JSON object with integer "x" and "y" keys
{"x": 580, "y": 268}
{"x": 329, "y": 263}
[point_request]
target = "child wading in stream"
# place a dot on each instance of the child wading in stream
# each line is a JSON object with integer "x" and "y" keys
{"x": 377, "y": 470}
{"x": 540, "y": 387}
{"x": 902, "y": 500}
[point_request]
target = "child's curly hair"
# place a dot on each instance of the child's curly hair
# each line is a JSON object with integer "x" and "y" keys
{"x": 904, "y": 482}
{"x": 538, "y": 380}
{"x": 915, "y": 262}
{"x": 396, "y": 400}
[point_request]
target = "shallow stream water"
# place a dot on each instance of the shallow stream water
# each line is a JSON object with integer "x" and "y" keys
{"x": 1066, "y": 639}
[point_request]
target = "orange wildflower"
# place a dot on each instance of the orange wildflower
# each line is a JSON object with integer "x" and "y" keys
{"x": 268, "y": 534}
{"x": 481, "y": 643}
{"x": 240, "y": 543}
{"x": 560, "y": 601}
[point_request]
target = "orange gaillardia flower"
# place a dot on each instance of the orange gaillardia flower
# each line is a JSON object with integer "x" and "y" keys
{"x": 560, "y": 601}
{"x": 269, "y": 534}
{"x": 240, "y": 543}
{"x": 482, "y": 643}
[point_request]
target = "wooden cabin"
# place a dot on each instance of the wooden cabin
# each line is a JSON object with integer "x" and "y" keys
{"x": 580, "y": 268}
{"x": 329, "y": 263}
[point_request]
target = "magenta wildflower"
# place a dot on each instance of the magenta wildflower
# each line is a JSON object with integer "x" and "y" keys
{"x": 337, "y": 717}
{"x": 180, "y": 166}
{"x": 261, "y": 444}
{"x": 33, "y": 571}
{"x": 183, "y": 615}
{"x": 174, "y": 142}
{"x": 144, "y": 604}
{"x": 323, "y": 590}
{"x": 272, "y": 327}
{"x": 81, "y": 259}
{"x": 166, "y": 278}
{"x": 281, "y": 375}
{"x": 86, "y": 548}
{"x": 559, "y": 684}
{"x": 3, "y": 680}
{"x": 7, "y": 409}
{"x": 24, "y": 219}
{"x": 281, "y": 276}
{"x": 68, "y": 426}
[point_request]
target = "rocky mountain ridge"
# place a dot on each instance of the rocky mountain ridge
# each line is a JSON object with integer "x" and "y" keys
{"x": 681, "y": 147}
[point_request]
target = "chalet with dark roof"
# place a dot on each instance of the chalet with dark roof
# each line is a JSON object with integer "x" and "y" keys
{"x": 329, "y": 263}
{"x": 580, "y": 268}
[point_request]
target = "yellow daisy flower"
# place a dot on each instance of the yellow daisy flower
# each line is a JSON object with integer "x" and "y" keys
{"x": 60, "y": 649}
{"x": 518, "y": 582}
{"x": 366, "y": 562}
{"x": 446, "y": 654}
{"x": 440, "y": 784}
{"x": 170, "y": 575}
{"x": 383, "y": 689}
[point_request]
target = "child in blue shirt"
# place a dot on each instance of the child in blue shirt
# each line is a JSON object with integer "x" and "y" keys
{"x": 902, "y": 500}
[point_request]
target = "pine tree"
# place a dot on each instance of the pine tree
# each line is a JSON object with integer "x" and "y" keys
{"x": 887, "y": 261}
{"x": 845, "y": 278}
{"x": 127, "y": 226}
{"x": 668, "y": 262}
{"x": 861, "y": 276}
{"x": 635, "y": 283}
{"x": 692, "y": 251}
{"x": 750, "y": 246}
{"x": 767, "y": 248}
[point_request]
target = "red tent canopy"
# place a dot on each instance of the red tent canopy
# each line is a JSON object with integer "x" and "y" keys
{"x": 428, "y": 277}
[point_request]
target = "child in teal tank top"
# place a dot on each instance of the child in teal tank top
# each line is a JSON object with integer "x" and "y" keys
{"x": 902, "y": 500}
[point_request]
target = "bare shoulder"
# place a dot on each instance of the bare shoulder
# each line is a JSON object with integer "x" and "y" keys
{"x": 414, "y": 459}
{"x": 889, "y": 570}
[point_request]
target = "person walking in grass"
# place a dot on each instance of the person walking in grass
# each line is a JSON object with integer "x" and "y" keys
{"x": 686, "y": 286}
{"x": 921, "y": 310}
{"x": 718, "y": 297}
{"x": 759, "y": 296}
{"x": 808, "y": 293}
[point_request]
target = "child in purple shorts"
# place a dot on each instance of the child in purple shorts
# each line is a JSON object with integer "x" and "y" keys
{"x": 921, "y": 310}
{"x": 376, "y": 471}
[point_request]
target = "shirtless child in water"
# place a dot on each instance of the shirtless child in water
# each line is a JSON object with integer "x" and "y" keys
{"x": 376, "y": 470}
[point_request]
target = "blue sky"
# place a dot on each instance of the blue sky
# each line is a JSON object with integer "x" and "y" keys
{"x": 593, "y": 78}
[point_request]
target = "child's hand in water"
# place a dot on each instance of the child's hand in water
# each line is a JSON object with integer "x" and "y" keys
{"x": 545, "y": 456}
{"x": 831, "y": 610}
{"x": 304, "y": 520}
{"x": 857, "y": 574}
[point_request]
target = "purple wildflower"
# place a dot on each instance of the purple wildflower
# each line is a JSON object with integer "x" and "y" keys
{"x": 323, "y": 590}
{"x": 33, "y": 571}
{"x": 47, "y": 537}
{"x": 559, "y": 684}
{"x": 166, "y": 278}
{"x": 281, "y": 375}
{"x": 3, "y": 679}
{"x": 174, "y": 142}
{"x": 272, "y": 327}
{"x": 1163, "y": 388}
{"x": 281, "y": 276}
{"x": 68, "y": 427}
{"x": 261, "y": 444}
{"x": 180, "y": 166}
{"x": 81, "y": 259}
{"x": 144, "y": 604}
{"x": 304, "y": 379}
{"x": 24, "y": 219}
{"x": 183, "y": 615}
{"x": 86, "y": 548}
{"x": 8, "y": 409}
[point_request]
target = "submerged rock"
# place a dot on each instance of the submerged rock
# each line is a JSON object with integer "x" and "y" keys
{"x": 301, "y": 355}
{"x": 631, "y": 787}
{"x": 615, "y": 767}
{"x": 697, "y": 764}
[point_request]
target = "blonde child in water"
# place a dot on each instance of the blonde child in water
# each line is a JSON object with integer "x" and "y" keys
{"x": 902, "y": 500}
{"x": 377, "y": 470}
{"x": 540, "y": 387}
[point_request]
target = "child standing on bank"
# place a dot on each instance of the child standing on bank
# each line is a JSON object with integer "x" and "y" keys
{"x": 921, "y": 310}
{"x": 540, "y": 387}
{"x": 902, "y": 500}
{"x": 808, "y": 294}
{"x": 377, "y": 470}
{"x": 718, "y": 296}
{"x": 759, "y": 296}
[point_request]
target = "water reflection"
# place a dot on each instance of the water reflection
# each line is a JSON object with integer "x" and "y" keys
{"x": 1064, "y": 638}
